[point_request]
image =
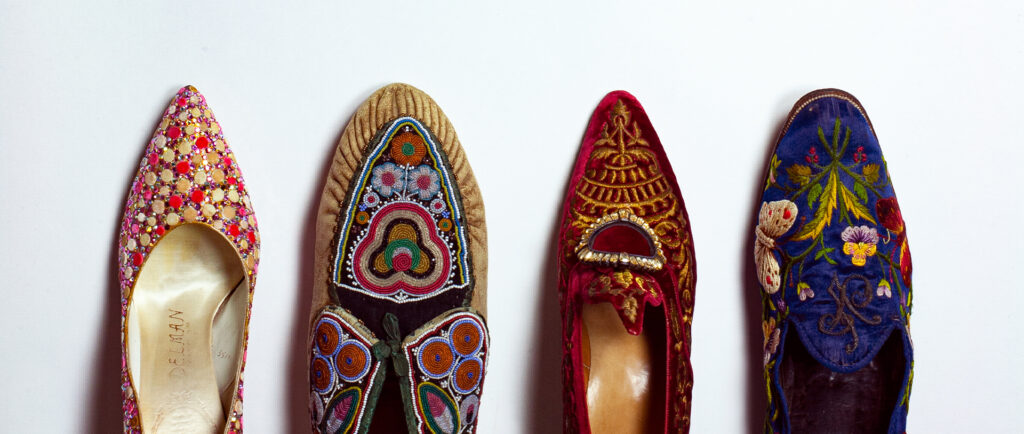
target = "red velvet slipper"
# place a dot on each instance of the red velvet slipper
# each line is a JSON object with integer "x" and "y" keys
{"x": 626, "y": 280}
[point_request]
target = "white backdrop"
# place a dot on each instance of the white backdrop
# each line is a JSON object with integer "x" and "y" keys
{"x": 82, "y": 86}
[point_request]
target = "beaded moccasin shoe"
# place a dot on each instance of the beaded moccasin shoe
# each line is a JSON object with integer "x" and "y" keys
{"x": 832, "y": 258}
{"x": 399, "y": 340}
{"x": 626, "y": 276}
{"x": 188, "y": 256}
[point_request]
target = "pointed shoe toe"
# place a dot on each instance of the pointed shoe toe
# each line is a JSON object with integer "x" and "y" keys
{"x": 188, "y": 254}
{"x": 832, "y": 258}
{"x": 626, "y": 280}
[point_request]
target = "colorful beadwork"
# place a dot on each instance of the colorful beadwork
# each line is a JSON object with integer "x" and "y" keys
{"x": 446, "y": 372}
{"x": 182, "y": 180}
{"x": 342, "y": 372}
{"x": 830, "y": 248}
{"x": 402, "y": 231}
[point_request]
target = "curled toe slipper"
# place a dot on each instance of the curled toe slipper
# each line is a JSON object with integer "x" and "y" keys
{"x": 398, "y": 312}
{"x": 626, "y": 280}
{"x": 832, "y": 258}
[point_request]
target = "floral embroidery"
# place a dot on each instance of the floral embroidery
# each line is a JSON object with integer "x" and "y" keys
{"x": 371, "y": 199}
{"x": 845, "y": 199}
{"x": 409, "y": 149}
{"x": 891, "y": 218}
{"x": 424, "y": 181}
{"x": 437, "y": 206}
{"x": 388, "y": 179}
{"x": 628, "y": 292}
{"x": 402, "y": 236}
{"x": 860, "y": 242}
{"x": 884, "y": 289}
{"x": 771, "y": 338}
{"x": 804, "y": 291}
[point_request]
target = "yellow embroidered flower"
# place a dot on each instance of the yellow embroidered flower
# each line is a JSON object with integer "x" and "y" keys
{"x": 860, "y": 242}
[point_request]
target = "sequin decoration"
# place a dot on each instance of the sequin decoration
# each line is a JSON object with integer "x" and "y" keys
{"x": 402, "y": 232}
{"x": 342, "y": 372}
{"x": 447, "y": 370}
{"x": 182, "y": 169}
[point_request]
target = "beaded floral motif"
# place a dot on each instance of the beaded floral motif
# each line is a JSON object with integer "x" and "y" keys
{"x": 446, "y": 370}
{"x": 831, "y": 270}
{"x": 343, "y": 373}
{"x": 188, "y": 175}
{"x": 402, "y": 235}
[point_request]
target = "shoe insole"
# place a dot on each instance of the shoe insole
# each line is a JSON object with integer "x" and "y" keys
{"x": 623, "y": 373}
{"x": 183, "y": 378}
{"x": 823, "y": 401}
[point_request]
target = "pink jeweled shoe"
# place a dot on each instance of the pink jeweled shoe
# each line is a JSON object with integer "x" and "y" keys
{"x": 189, "y": 249}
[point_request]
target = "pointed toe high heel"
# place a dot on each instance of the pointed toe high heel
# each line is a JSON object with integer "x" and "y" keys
{"x": 189, "y": 248}
{"x": 626, "y": 280}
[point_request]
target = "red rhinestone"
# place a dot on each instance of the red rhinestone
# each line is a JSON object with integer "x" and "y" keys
{"x": 160, "y": 230}
{"x": 233, "y": 230}
{"x": 227, "y": 161}
{"x": 183, "y": 167}
{"x": 232, "y": 180}
{"x": 198, "y": 196}
{"x": 202, "y": 142}
{"x": 182, "y": 102}
{"x": 174, "y": 132}
{"x": 252, "y": 236}
{"x": 153, "y": 159}
{"x": 137, "y": 259}
{"x": 174, "y": 201}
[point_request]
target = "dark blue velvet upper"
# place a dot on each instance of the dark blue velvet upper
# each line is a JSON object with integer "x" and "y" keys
{"x": 843, "y": 288}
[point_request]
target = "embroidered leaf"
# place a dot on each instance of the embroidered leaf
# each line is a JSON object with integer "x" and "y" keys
{"x": 822, "y": 215}
{"x": 799, "y": 174}
{"x": 870, "y": 172}
{"x": 812, "y": 195}
{"x": 772, "y": 168}
{"x": 823, "y": 253}
{"x": 856, "y": 208}
{"x": 858, "y": 188}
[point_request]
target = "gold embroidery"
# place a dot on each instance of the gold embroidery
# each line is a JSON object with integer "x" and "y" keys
{"x": 623, "y": 283}
{"x": 625, "y": 173}
{"x": 649, "y": 263}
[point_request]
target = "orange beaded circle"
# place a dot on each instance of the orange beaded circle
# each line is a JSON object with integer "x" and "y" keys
{"x": 436, "y": 357}
{"x": 466, "y": 337}
{"x": 327, "y": 336}
{"x": 467, "y": 375}
{"x": 352, "y": 361}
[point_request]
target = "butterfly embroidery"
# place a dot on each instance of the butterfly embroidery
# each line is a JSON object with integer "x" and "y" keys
{"x": 774, "y": 219}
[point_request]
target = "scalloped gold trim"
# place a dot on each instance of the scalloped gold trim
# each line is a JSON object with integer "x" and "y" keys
{"x": 647, "y": 263}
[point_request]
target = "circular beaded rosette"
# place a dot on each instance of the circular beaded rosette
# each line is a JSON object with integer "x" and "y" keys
{"x": 446, "y": 371}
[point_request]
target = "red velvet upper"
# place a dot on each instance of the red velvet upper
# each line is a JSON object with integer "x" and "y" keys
{"x": 621, "y": 164}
